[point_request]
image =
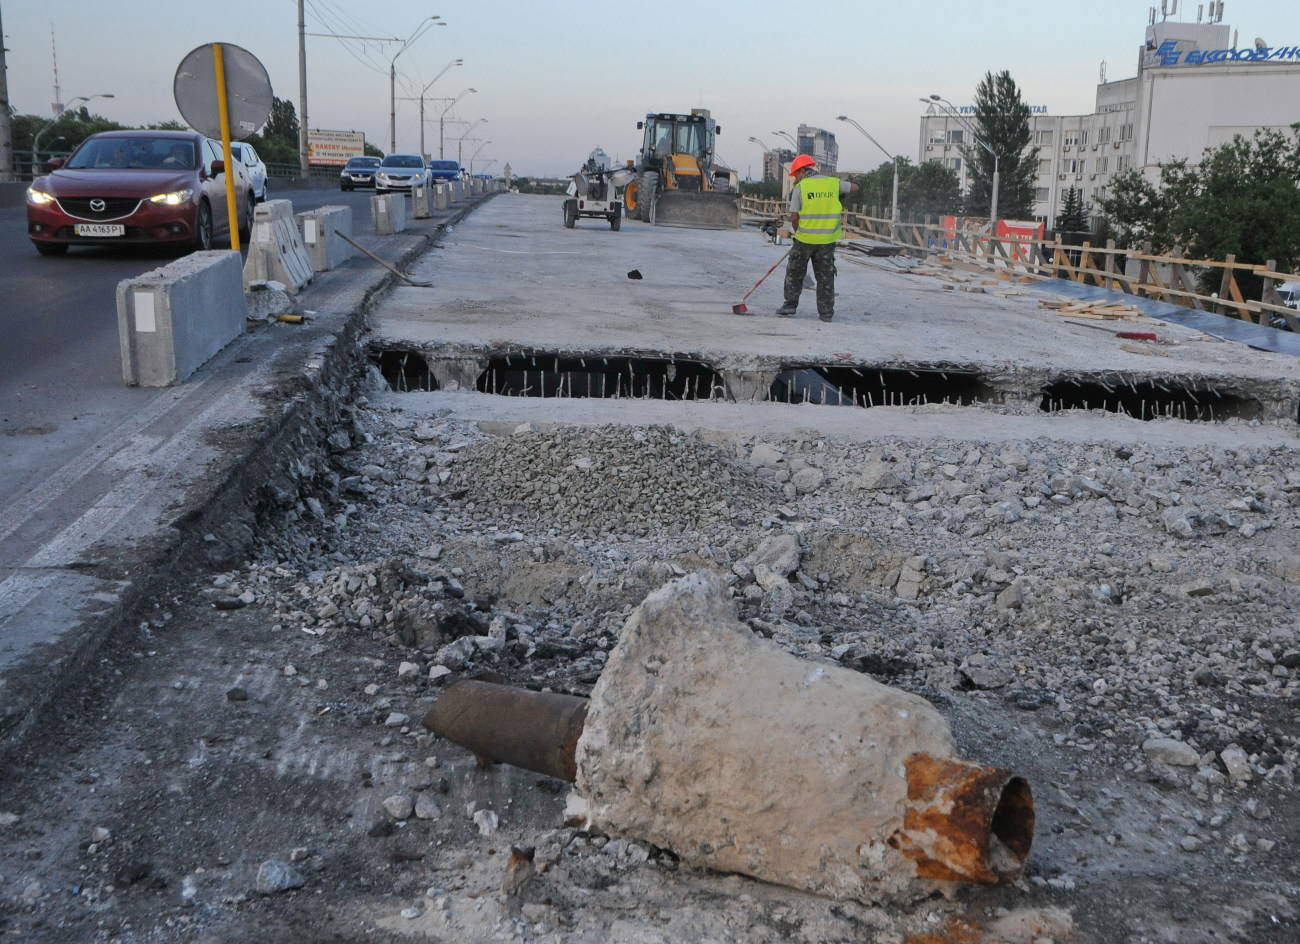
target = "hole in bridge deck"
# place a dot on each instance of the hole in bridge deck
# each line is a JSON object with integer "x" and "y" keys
{"x": 869, "y": 386}
{"x": 545, "y": 375}
{"x": 405, "y": 371}
{"x": 1148, "y": 400}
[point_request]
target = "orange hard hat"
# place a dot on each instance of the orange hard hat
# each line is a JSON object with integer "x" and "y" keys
{"x": 800, "y": 162}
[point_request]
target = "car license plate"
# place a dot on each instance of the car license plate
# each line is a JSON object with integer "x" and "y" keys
{"x": 99, "y": 229}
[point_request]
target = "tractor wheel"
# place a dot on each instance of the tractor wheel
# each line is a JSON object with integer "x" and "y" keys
{"x": 570, "y": 213}
{"x": 616, "y": 218}
{"x": 646, "y": 194}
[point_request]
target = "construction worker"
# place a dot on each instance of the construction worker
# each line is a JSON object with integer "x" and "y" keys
{"x": 815, "y": 211}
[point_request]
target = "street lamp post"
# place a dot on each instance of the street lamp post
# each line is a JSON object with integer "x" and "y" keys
{"x": 952, "y": 111}
{"x": 475, "y": 154}
{"x": 442, "y": 119}
{"x": 461, "y": 141}
{"x": 36, "y": 141}
{"x": 392, "y": 78}
{"x": 455, "y": 62}
{"x": 893, "y": 212}
{"x": 793, "y": 142}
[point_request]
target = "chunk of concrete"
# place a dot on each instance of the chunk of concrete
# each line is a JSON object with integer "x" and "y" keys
{"x": 708, "y": 740}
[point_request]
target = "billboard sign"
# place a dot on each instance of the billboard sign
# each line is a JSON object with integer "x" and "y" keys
{"x": 334, "y": 148}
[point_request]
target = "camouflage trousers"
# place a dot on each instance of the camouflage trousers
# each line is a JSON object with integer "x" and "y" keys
{"x": 822, "y": 256}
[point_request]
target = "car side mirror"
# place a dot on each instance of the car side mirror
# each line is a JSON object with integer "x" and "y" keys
{"x": 55, "y": 163}
{"x": 640, "y": 125}
{"x": 218, "y": 167}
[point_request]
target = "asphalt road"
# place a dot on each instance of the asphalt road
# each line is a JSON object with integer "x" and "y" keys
{"x": 60, "y": 361}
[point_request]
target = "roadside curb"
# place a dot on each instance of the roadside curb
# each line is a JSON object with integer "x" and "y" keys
{"x": 304, "y": 385}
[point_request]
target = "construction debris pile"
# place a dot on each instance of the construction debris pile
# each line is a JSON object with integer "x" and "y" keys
{"x": 1164, "y": 653}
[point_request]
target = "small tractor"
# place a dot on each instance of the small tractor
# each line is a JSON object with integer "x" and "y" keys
{"x": 593, "y": 192}
{"x": 677, "y": 181}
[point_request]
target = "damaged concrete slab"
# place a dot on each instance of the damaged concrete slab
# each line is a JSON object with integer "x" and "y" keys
{"x": 562, "y": 320}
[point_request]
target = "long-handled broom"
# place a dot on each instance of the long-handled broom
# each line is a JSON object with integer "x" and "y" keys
{"x": 741, "y": 309}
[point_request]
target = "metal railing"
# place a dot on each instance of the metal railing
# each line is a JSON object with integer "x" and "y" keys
{"x": 1163, "y": 277}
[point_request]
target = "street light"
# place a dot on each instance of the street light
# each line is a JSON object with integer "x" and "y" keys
{"x": 952, "y": 111}
{"x": 442, "y": 119}
{"x": 392, "y": 77}
{"x": 474, "y": 155}
{"x": 454, "y": 62}
{"x": 36, "y": 141}
{"x": 765, "y": 148}
{"x": 461, "y": 140}
{"x": 786, "y": 135}
{"x": 893, "y": 212}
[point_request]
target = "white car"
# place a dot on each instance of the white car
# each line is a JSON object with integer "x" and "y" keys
{"x": 245, "y": 154}
{"x": 401, "y": 172}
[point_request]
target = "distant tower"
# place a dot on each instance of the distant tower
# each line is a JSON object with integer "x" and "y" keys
{"x": 57, "y": 107}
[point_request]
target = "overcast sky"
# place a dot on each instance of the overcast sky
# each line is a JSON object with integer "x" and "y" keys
{"x": 555, "y": 79}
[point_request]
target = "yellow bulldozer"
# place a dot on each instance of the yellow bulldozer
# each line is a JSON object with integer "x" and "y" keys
{"x": 677, "y": 181}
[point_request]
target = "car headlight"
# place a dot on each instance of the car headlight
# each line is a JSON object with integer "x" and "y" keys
{"x": 39, "y": 197}
{"x": 175, "y": 198}
{"x": 382, "y": 174}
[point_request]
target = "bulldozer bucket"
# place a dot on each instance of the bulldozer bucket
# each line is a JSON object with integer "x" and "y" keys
{"x": 697, "y": 209}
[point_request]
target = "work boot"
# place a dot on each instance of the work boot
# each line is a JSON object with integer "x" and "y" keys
{"x": 826, "y": 317}
{"x": 786, "y": 310}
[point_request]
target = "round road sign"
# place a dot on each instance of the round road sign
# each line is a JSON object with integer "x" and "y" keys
{"x": 248, "y": 91}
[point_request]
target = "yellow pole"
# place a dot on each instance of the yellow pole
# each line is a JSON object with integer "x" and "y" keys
{"x": 220, "y": 63}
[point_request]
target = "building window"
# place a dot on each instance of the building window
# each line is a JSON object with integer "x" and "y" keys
{"x": 953, "y": 164}
{"x": 1126, "y": 132}
{"x": 937, "y": 136}
{"x": 1040, "y": 194}
{"x": 1043, "y": 138}
{"x": 1074, "y": 165}
{"x": 1045, "y": 168}
{"x": 1103, "y": 135}
{"x": 1075, "y": 138}
{"x": 1122, "y": 163}
{"x": 955, "y": 136}
{"x": 1103, "y": 165}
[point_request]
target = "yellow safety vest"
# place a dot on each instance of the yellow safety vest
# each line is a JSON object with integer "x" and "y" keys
{"x": 819, "y": 210}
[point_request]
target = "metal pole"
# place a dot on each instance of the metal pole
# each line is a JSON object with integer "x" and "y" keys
{"x": 303, "y": 160}
{"x": 6, "y": 127}
{"x": 392, "y": 105}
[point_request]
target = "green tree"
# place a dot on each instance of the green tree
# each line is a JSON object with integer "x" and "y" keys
{"x": 65, "y": 133}
{"x": 1073, "y": 217}
{"x": 1002, "y": 123}
{"x": 277, "y": 143}
{"x": 929, "y": 190}
{"x": 1241, "y": 199}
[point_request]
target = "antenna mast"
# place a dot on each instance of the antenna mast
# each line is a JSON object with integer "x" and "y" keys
{"x": 57, "y": 107}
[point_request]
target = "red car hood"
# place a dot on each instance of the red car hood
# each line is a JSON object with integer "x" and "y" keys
{"x": 114, "y": 182}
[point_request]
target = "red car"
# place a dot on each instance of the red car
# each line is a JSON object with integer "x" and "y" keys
{"x": 137, "y": 187}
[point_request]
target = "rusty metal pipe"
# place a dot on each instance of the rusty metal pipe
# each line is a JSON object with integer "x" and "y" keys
{"x": 964, "y": 822}
{"x": 502, "y": 725}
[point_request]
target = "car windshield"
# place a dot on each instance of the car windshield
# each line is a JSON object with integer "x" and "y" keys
{"x": 364, "y": 162}
{"x": 403, "y": 160}
{"x": 134, "y": 152}
{"x": 444, "y": 165}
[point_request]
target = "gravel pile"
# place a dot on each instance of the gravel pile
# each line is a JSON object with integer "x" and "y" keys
{"x": 1139, "y": 595}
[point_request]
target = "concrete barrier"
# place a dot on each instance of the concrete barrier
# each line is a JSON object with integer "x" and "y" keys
{"x": 441, "y": 196}
{"x": 172, "y": 320}
{"x": 388, "y": 213}
{"x": 275, "y": 249}
{"x": 324, "y": 246}
{"x": 421, "y": 204}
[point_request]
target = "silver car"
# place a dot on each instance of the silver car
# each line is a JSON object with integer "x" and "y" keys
{"x": 245, "y": 154}
{"x": 401, "y": 172}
